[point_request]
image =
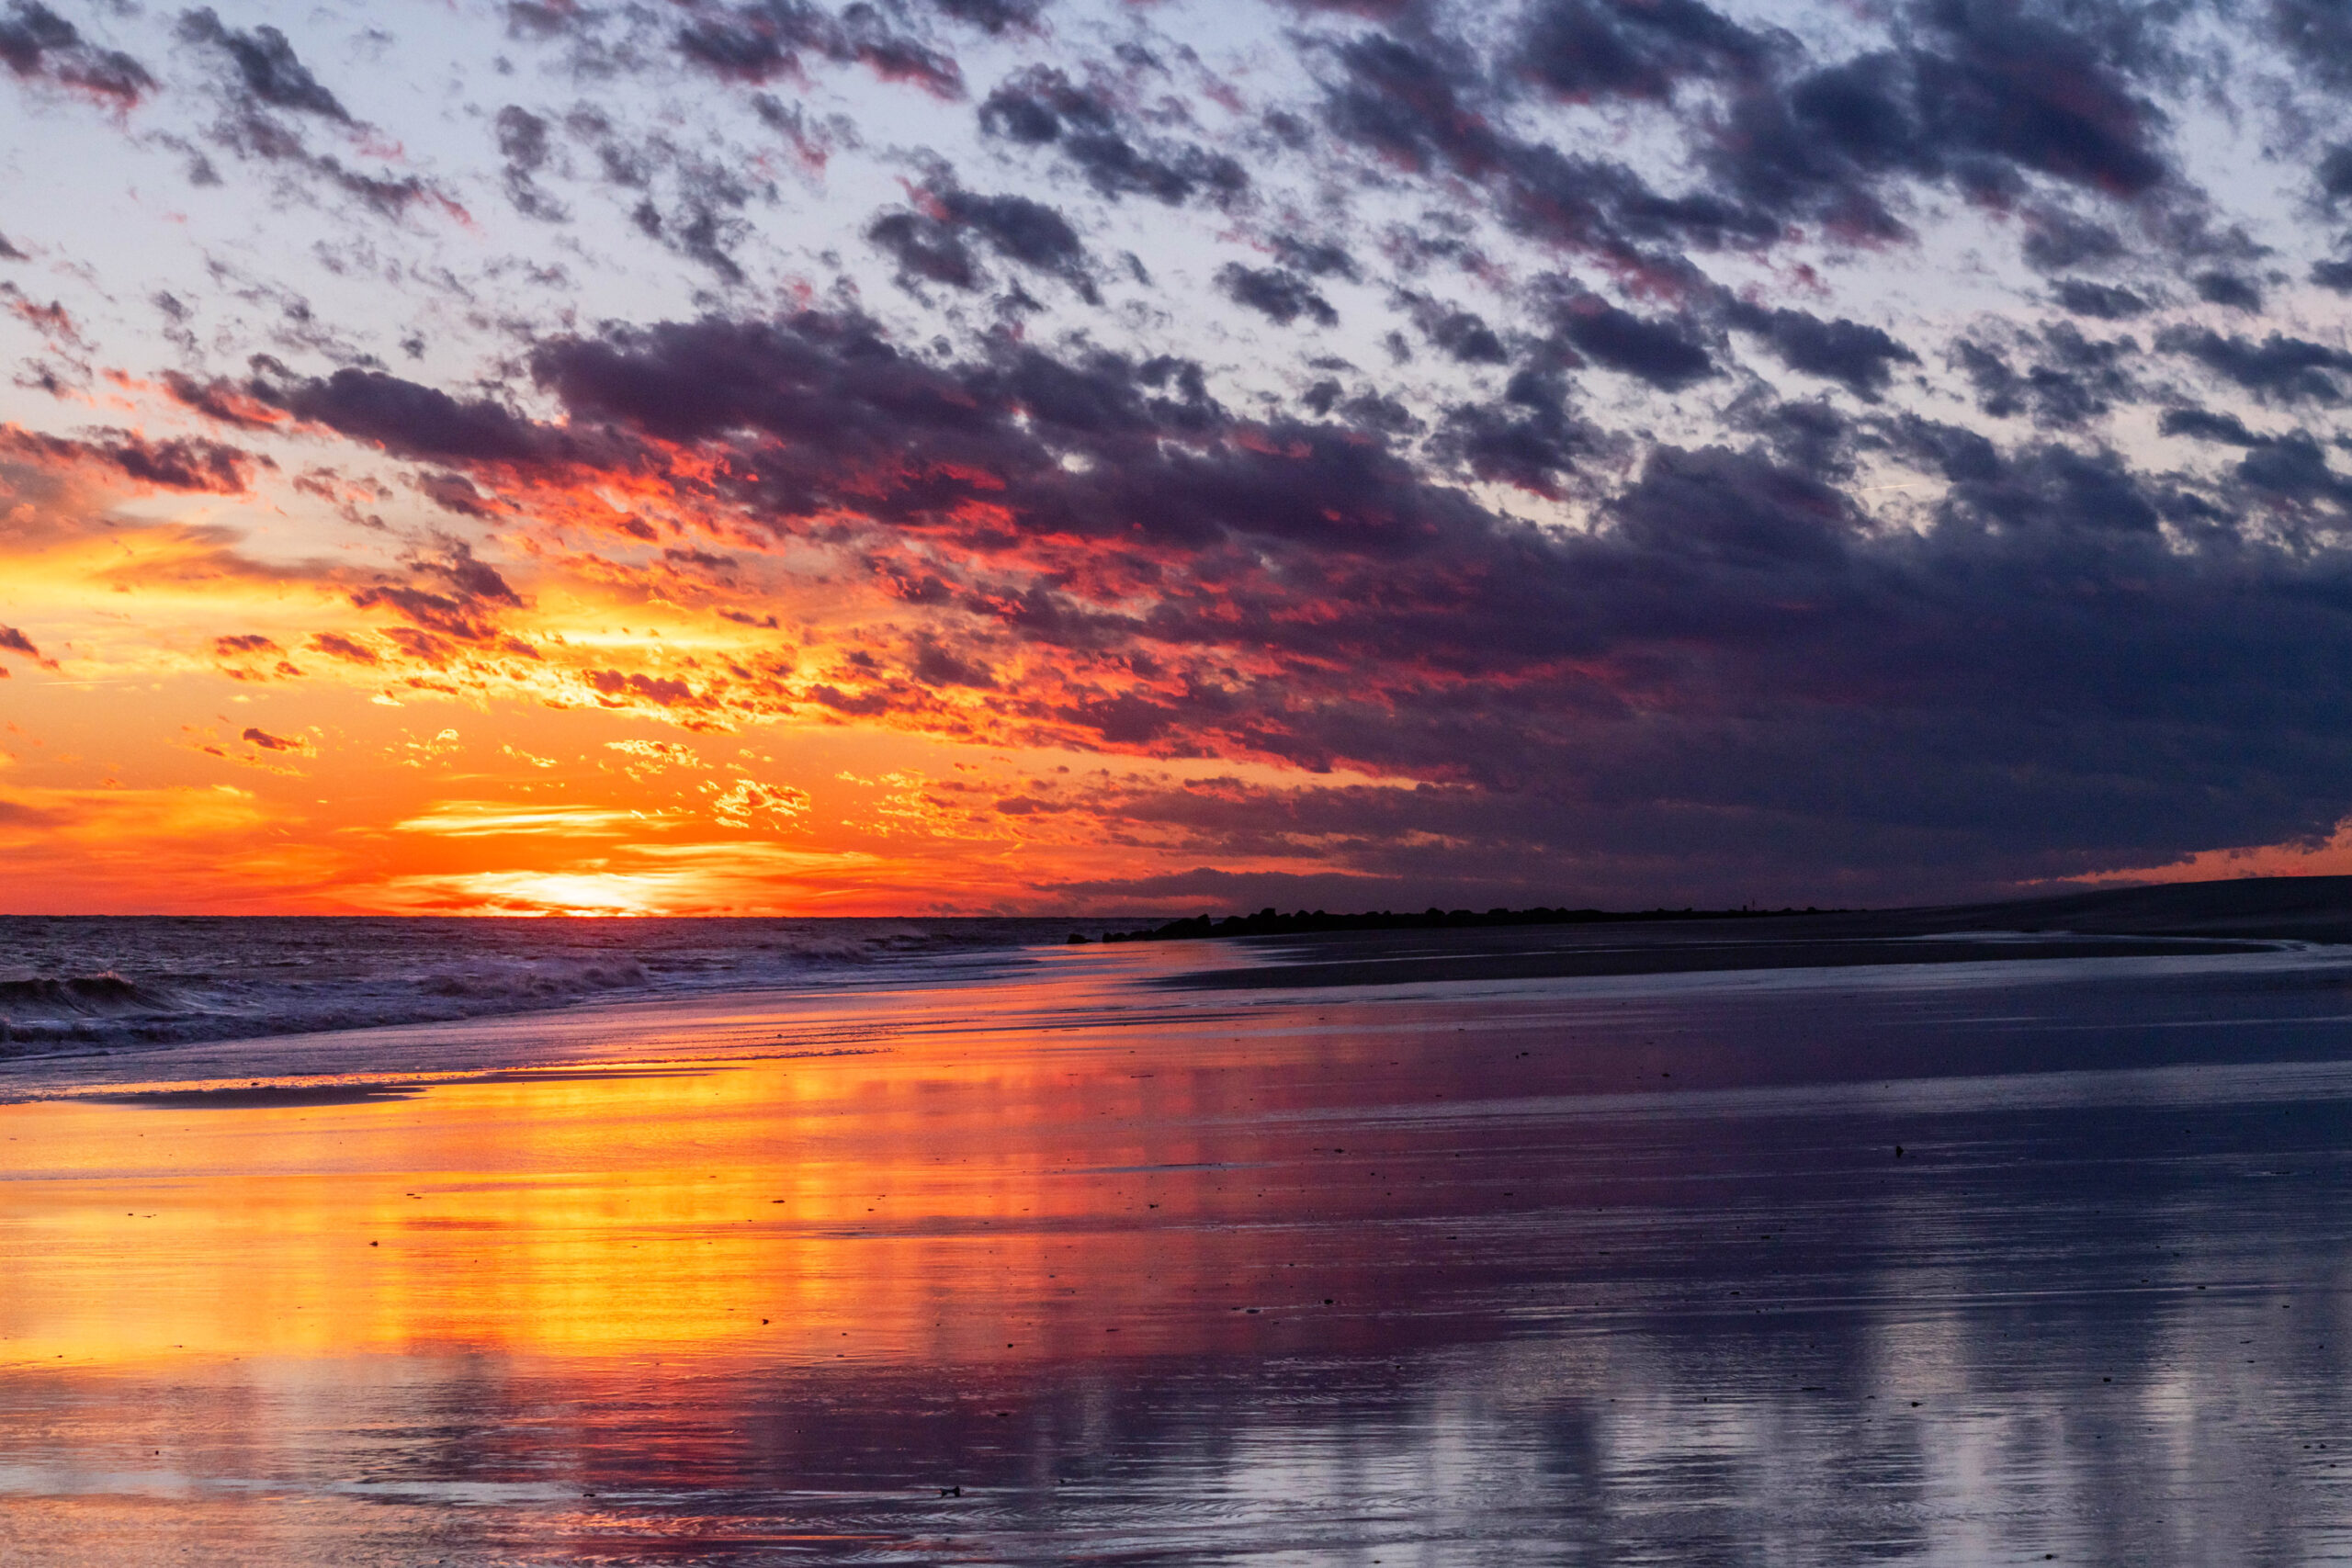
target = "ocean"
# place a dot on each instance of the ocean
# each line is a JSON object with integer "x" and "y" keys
{"x": 82, "y": 986}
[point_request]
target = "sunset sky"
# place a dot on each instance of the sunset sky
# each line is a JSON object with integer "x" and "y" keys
{"x": 968, "y": 456}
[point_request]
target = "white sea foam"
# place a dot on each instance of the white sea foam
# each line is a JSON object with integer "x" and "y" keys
{"x": 144, "y": 984}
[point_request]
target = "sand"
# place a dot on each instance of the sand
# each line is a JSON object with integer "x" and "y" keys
{"x": 1085, "y": 1268}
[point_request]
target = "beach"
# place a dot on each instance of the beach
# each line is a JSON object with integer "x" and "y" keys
{"x": 1101, "y": 1257}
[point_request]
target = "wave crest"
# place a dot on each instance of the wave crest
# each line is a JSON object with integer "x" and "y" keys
{"x": 105, "y": 995}
{"x": 80, "y": 986}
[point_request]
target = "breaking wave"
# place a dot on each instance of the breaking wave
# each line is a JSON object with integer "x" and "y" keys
{"x": 101, "y": 986}
{"x": 107, "y": 995}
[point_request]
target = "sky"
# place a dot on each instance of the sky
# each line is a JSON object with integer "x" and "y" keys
{"x": 1155, "y": 456}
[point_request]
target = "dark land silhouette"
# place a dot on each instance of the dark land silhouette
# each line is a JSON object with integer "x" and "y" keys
{"x": 1315, "y": 948}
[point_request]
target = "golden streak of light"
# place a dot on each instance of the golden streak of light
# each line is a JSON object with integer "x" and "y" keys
{"x": 474, "y": 818}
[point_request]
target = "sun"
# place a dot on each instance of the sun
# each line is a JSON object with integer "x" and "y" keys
{"x": 600, "y": 895}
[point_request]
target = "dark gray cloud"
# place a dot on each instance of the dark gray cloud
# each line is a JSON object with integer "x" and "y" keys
{"x": 768, "y": 39}
{"x": 1984, "y": 95}
{"x": 925, "y": 248}
{"x": 1666, "y": 353}
{"x": 1320, "y": 258}
{"x": 1735, "y": 508}
{"x": 2056, "y": 240}
{"x": 1417, "y": 104}
{"x": 1409, "y": 104}
{"x": 403, "y": 417}
{"x": 1025, "y": 231}
{"x": 1033, "y": 233}
{"x": 180, "y": 463}
{"x": 2294, "y": 468}
{"x": 2207, "y": 425}
{"x": 1860, "y": 357}
{"x": 2334, "y": 173}
{"x": 266, "y": 65}
{"x": 2070, "y": 382}
{"x": 2101, "y": 301}
{"x": 271, "y": 92}
{"x": 523, "y": 140}
{"x": 1528, "y": 438}
{"x": 2317, "y": 35}
{"x": 38, "y": 43}
{"x": 1636, "y": 49}
{"x": 2233, "y": 290}
{"x": 2029, "y": 89}
{"x": 1042, "y": 106}
{"x": 526, "y": 143}
{"x": 932, "y": 243}
{"x": 2279, "y": 368}
{"x": 1279, "y": 296}
{"x": 1464, "y": 336}
{"x": 994, "y": 16}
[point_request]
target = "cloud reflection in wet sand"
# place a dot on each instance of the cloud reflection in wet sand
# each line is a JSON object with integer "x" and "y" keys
{"x": 1564, "y": 1272}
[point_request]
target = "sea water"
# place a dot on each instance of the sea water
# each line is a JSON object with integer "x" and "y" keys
{"x": 78, "y": 984}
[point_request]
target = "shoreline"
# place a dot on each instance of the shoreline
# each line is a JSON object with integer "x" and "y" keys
{"x": 1060, "y": 989}
{"x": 758, "y": 1031}
{"x": 238, "y": 979}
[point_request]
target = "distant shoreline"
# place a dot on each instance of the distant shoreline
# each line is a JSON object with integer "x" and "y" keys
{"x": 2304, "y": 909}
{"x": 1270, "y": 922}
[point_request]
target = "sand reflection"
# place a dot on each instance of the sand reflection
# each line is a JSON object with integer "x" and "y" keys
{"x": 1311, "y": 1281}
{"x": 947, "y": 1197}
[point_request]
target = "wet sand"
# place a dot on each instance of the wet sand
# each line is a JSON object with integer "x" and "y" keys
{"x": 1087, "y": 1268}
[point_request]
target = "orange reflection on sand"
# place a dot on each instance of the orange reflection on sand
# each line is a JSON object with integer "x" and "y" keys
{"x": 956, "y": 1199}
